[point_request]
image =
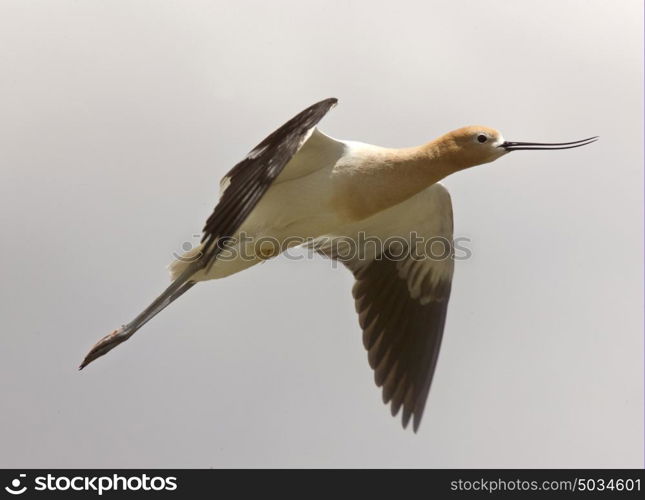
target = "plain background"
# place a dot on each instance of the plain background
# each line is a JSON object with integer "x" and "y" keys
{"x": 117, "y": 120}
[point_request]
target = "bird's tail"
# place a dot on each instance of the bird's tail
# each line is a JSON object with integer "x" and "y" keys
{"x": 177, "y": 288}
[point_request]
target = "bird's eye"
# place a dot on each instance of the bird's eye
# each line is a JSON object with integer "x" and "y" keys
{"x": 482, "y": 138}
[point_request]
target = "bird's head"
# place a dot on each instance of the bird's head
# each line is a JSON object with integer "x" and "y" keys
{"x": 477, "y": 144}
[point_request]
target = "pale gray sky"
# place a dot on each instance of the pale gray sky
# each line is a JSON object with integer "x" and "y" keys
{"x": 117, "y": 121}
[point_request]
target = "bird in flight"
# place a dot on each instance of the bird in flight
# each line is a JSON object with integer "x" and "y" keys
{"x": 380, "y": 211}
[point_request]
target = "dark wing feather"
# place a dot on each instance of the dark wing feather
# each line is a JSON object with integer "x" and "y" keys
{"x": 252, "y": 177}
{"x": 402, "y": 335}
{"x": 402, "y": 303}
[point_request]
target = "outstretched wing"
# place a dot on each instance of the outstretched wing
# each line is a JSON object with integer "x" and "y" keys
{"x": 401, "y": 294}
{"x": 245, "y": 184}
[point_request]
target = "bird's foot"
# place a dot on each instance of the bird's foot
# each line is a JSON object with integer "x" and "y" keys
{"x": 105, "y": 345}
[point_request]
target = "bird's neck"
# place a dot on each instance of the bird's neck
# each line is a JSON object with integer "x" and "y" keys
{"x": 382, "y": 177}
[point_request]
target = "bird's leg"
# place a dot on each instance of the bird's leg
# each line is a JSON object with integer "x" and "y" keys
{"x": 178, "y": 287}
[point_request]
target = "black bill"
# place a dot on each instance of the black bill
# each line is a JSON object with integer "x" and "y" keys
{"x": 517, "y": 146}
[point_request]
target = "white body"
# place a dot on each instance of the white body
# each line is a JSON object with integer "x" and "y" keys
{"x": 302, "y": 204}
